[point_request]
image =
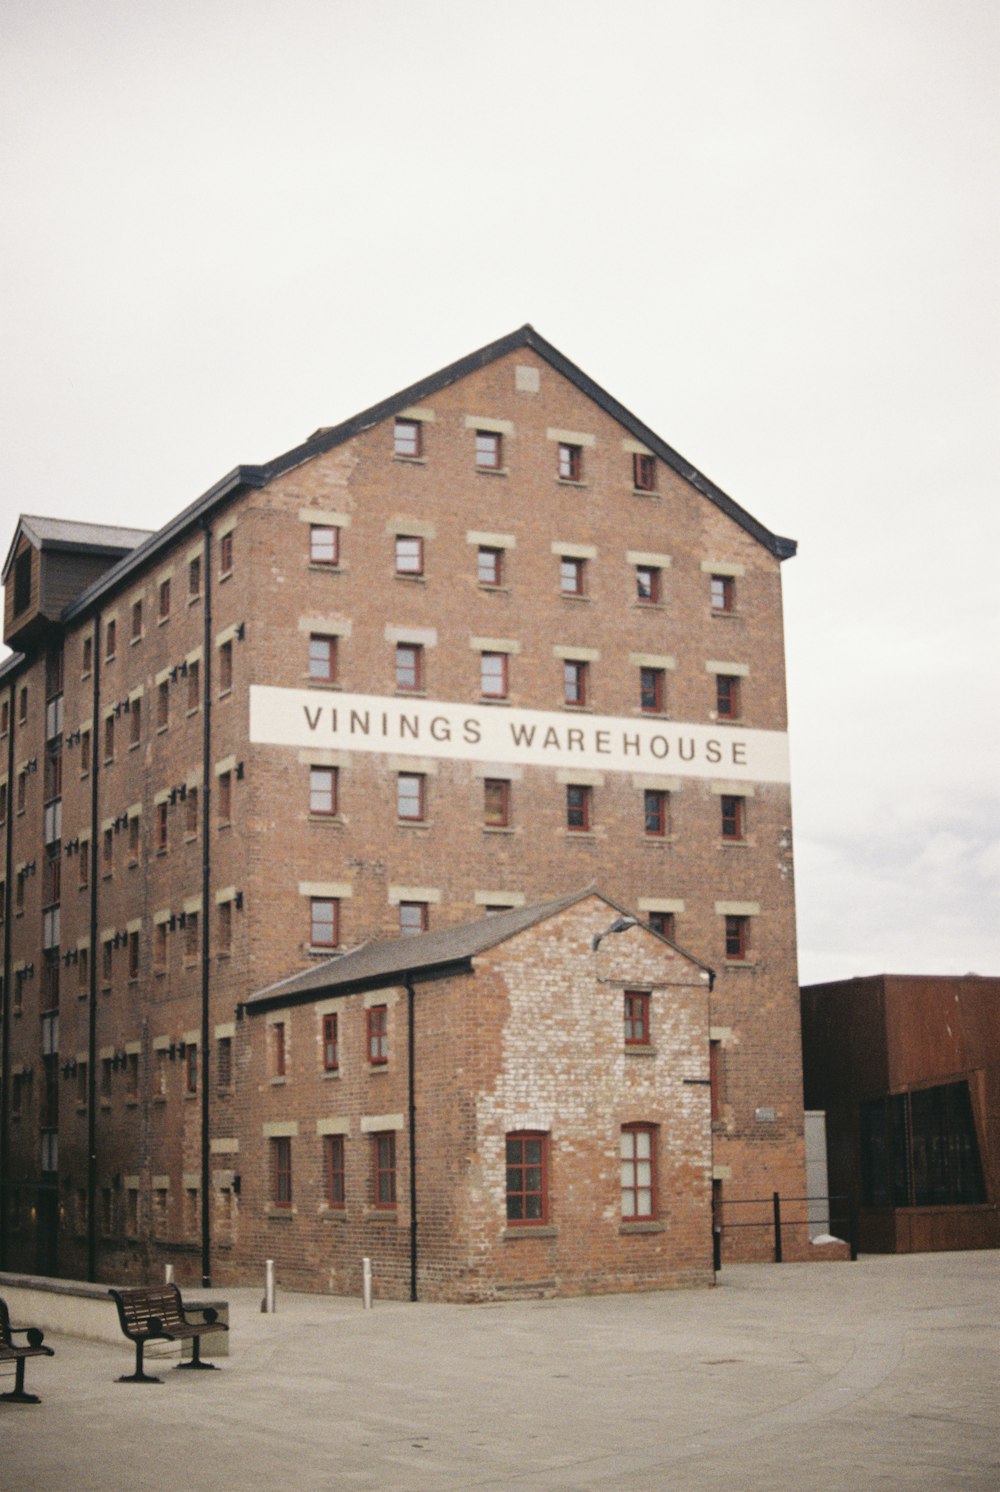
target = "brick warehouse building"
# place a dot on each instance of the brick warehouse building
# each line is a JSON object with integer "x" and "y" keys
{"x": 486, "y": 643}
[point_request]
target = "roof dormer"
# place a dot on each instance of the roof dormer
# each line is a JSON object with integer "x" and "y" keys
{"x": 52, "y": 561}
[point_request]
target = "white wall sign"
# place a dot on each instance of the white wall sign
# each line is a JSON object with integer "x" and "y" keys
{"x": 534, "y": 738}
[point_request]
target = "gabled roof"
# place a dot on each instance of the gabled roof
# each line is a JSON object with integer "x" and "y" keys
{"x": 67, "y": 536}
{"x": 247, "y": 478}
{"x": 423, "y": 956}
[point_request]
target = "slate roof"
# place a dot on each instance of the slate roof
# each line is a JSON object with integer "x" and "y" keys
{"x": 65, "y": 534}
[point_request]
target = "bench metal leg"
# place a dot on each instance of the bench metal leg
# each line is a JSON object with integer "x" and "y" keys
{"x": 138, "y": 1376}
{"x": 196, "y": 1361}
{"x": 17, "y": 1395}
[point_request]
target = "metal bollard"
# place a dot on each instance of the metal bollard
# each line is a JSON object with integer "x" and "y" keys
{"x": 168, "y": 1274}
{"x": 269, "y": 1287}
{"x": 366, "y": 1283}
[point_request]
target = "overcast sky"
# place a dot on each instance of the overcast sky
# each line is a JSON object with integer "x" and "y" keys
{"x": 770, "y": 229}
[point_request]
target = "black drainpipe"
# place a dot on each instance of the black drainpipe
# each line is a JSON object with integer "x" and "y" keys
{"x": 96, "y": 752}
{"x": 5, "y": 1038}
{"x": 206, "y": 884}
{"x": 411, "y": 1044}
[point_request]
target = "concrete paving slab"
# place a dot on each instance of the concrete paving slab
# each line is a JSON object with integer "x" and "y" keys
{"x": 879, "y": 1374}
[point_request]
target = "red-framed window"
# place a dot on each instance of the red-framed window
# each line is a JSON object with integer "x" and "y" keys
{"x": 279, "y": 1050}
{"x": 133, "y": 955}
{"x": 331, "y": 1049}
{"x": 194, "y": 577}
{"x": 413, "y": 917}
{"x": 496, "y": 803}
{"x": 225, "y": 667}
{"x": 162, "y": 828}
{"x": 281, "y": 1171}
{"x": 136, "y": 620}
{"x": 579, "y": 803}
{"x": 490, "y": 566}
{"x": 652, "y": 690}
{"x": 323, "y": 791}
{"x": 322, "y": 658}
{"x": 638, "y": 1172}
{"x": 164, "y": 600}
{"x": 656, "y": 804}
{"x": 384, "y": 1169}
{"x": 411, "y": 796}
{"x": 224, "y": 797}
{"x": 409, "y": 555}
{"x": 727, "y": 696}
{"x": 489, "y": 450}
{"x": 324, "y": 922}
{"x": 723, "y": 593}
{"x": 647, "y": 584}
{"x": 324, "y": 544}
{"x": 226, "y": 554}
{"x": 644, "y": 472}
{"x": 527, "y": 1183}
{"x": 191, "y": 1068}
{"x": 163, "y": 705}
{"x": 409, "y": 667}
{"x": 333, "y": 1168}
{"x": 576, "y": 679}
{"x": 733, "y": 817}
{"x": 407, "y": 438}
{"x": 737, "y": 937}
{"x": 635, "y": 1009}
{"x": 570, "y": 462}
{"x": 193, "y": 686}
{"x": 572, "y": 576}
{"x": 110, "y": 646}
{"x": 377, "y": 1034}
{"x": 493, "y": 675}
{"x": 715, "y": 1077}
{"x": 135, "y": 722}
{"x": 88, "y": 663}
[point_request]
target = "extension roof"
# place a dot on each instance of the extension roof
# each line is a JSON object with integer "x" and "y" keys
{"x": 422, "y": 956}
{"x": 67, "y": 537}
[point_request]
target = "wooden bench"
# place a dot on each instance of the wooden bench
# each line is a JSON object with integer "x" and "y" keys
{"x": 156, "y": 1313}
{"x": 11, "y": 1352}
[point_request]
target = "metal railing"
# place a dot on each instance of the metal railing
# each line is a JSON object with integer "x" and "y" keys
{"x": 775, "y": 1222}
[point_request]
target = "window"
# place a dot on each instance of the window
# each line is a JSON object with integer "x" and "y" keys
{"x": 281, "y": 1171}
{"x": 224, "y": 1064}
{"x": 136, "y": 620}
{"x": 493, "y": 675}
{"x": 412, "y": 918}
{"x": 107, "y": 852}
{"x": 636, "y": 1010}
{"x": 226, "y": 554}
{"x": 322, "y": 659}
{"x": 194, "y": 685}
{"x": 490, "y": 566}
{"x": 409, "y": 555}
{"x": 133, "y": 839}
{"x": 644, "y": 472}
{"x": 656, "y": 804}
{"x": 22, "y": 705}
{"x": 225, "y": 668}
{"x": 496, "y": 803}
{"x": 225, "y": 927}
{"x": 83, "y": 860}
{"x": 384, "y": 1178}
{"x": 638, "y": 1172}
{"x": 324, "y": 544}
{"x": 324, "y": 922}
{"x": 647, "y": 584}
{"x": 191, "y": 1068}
{"x": 727, "y": 696}
{"x": 22, "y": 582}
{"x": 409, "y": 667}
{"x": 84, "y": 752}
{"x": 377, "y": 1027}
{"x": 279, "y": 1052}
{"x": 575, "y": 681}
{"x": 570, "y": 463}
{"x": 410, "y": 796}
{"x": 652, "y": 690}
{"x": 737, "y": 937}
{"x": 109, "y": 738}
{"x": 162, "y": 827}
{"x": 106, "y": 1064}
{"x": 110, "y": 639}
{"x": 323, "y": 791}
{"x": 572, "y": 576}
{"x": 194, "y": 577}
{"x": 920, "y": 1149}
{"x": 489, "y": 450}
{"x": 333, "y": 1166}
{"x": 662, "y": 923}
{"x": 407, "y": 439}
{"x": 88, "y": 654}
{"x": 578, "y": 807}
{"x": 715, "y": 1077}
{"x": 527, "y": 1178}
{"x": 732, "y": 817}
{"x": 5, "y": 706}
{"x": 163, "y": 705}
{"x": 164, "y": 600}
{"x": 135, "y": 722}
{"x": 723, "y": 593}
{"x": 160, "y": 947}
{"x": 192, "y": 945}
{"x": 133, "y": 955}
{"x": 3, "y": 803}
{"x": 331, "y": 1053}
{"x": 224, "y": 797}
{"x": 191, "y": 813}
{"x": 22, "y": 791}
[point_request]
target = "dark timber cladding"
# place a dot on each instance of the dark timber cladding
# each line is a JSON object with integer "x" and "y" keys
{"x": 298, "y": 796}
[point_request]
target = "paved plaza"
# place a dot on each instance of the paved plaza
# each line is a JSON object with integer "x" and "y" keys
{"x": 879, "y": 1374}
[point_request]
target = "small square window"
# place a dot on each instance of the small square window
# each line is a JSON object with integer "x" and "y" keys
{"x": 737, "y": 937}
{"x": 647, "y": 584}
{"x": 570, "y": 463}
{"x": 656, "y": 811}
{"x": 496, "y": 803}
{"x": 407, "y": 438}
{"x": 323, "y": 790}
{"x": 727, "y": 696}
{"x": 412, "y": 917}
{"x": 324, "y": 544}
{"x": 324, "y": 922}
{"x": 410, "y": 796}
{"x": 662, "y": 923}
{"x": 384, "y": 1160}
{"x": 322, "y": 659}
{"x": 409, "y": 667}
{"x": 409, "y": 555}
{"x": 652, "y": 690}
{"x": 723, "y": 593}
{"x": 489, "y": 450}
{"x": 377, "y": 1034}
{"x": 579, "y": 802}
{"x": 493, "y": 675}
{"x": 732, "y": 817}
{"x": 644, "y": 472}
{"x": 226, "y": 554}
{"x": 572, "y": 576}
{"x": 490, "y": 566}
{"x": 333, "y": 1163}
{"x": 575, "y": 682}
{"x": 331, "y": 1050}
{"x": 636, "y": 1013}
